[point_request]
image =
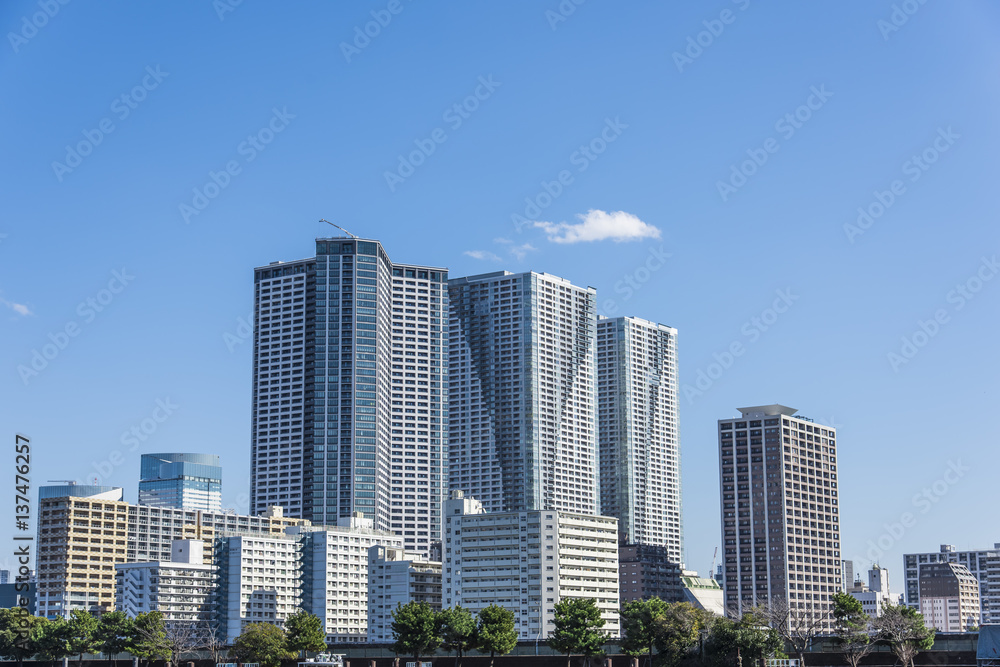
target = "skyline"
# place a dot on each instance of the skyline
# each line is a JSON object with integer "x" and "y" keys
{"x": 161, "y": 347}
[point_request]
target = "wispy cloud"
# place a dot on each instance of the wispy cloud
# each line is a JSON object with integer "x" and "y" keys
{"x": 18, "y": 308}
{"x": 598, "y": 225}
{"x": 521, "y": 251}
{"x": 482, "y": 254}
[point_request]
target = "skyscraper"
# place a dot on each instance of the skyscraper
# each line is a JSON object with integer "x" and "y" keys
{"x": 638, "y": 431}
{"x": 522, "y": 422}
{"x": 181, "y": 481}
{"x": 780, "y": 510}
{"x": 349, "y": 396}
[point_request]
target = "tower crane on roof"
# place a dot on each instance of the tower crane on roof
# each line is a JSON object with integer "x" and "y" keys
{"x": 338, "y": 227}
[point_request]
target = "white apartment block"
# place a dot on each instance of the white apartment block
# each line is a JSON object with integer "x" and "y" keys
{"x": 182, "y": 589}
{"x": 875, "y": 595}
{"x": 522, "y": 392}
{"x": 949, "y": 597}
{"x": 984, "y": 564}
{"x": 398, "y": 577}
{"x": 638, "y": 434}
{"x": 780, "y": 510}
{"x": 528, "y": 561}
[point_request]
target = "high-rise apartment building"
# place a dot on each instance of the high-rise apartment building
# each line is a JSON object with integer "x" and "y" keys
{"x": 181, "y": 589}
{"x": 350, "y": 395}
{"x": 780, "y": 510}
{"x": 181, "y": 481}
{"x": 398, "y": 577}
{"x": 522, "y": 396}
{"x": 949, "y": 597}
{"x": 638, "y": 432}
{"x": 983, "y": 564}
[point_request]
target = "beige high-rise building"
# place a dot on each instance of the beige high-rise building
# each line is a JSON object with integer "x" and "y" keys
{"x": 780, "y": 510}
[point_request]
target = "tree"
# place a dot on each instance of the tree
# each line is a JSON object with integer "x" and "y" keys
{"x": 579, "y": 628}
{"x": 730, "y": 640}
{"x": 853, "y": 628}
{"x": 82, "y": 628}
{"x": 263, "y": 643}
{"x": 113, "y": 631}
{"x": 495, "y": 631}
{"x": 148, "y": 639}
{"x": 305, "y": 632}
{"x": 19, "y": 634}
{"x": 182, "y": 637}
{"x": 215, "y": 640}
{"x": 639, "y": 626}
{"x": 676, "y": 631}
{"x": 903, "y": 629}
{"x": 457, "y": 629}
{"x": 797, "y": 625}
{"x": 414, "y": 626}
{"x": 53, "y": 640}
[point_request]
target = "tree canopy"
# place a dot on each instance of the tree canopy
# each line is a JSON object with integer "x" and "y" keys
{"x": 495, "y": 631}
{"x": 579, "y": 628}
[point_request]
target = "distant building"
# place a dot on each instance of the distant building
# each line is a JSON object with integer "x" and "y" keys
{"x": 703, "y": 593}
{"x": 949, "y": 597}
{"x": 4, "y": 576}
{"x": 874, "y": 595}
{"x": 528, "y": 561}
{"x": 984, "y": 564}
{"x": 181, "y": 589}
{"x": 11, "y": 595}
{"x": 647, "y": 571}
{"x": 181, "y": 481}
{"x": 398, "y": 577}
{"x": 847, "y": 579}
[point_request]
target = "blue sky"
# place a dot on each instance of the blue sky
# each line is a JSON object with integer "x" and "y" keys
{"x": 745, "y": 158}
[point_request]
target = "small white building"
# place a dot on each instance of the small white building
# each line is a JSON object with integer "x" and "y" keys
{"x": 528, "y": 561}
{"x": 395, "y": 577}
{"x": 875, "y": 595}
{"x": 181, "y": 589}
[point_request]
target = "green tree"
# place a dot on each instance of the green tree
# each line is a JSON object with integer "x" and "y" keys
{"x": 676, "y": 631}
{"x": 53, "y": 640}
{"x": 82, "y": 628}
{"x": 495, "y": 631}
{"x": 148, "y": 638}
{"x": 579, "y": 628}
{"x": 639, "y": 626}
{"x": 796, "y": 625}
{"x": 19, "y": 634}
{"x": 457, "y": 629}
{"x": 903, "y": 629}
{"x": 262, "y": 642}
{"x": 415, "y": 628}
{"x": 730, "y": 641}
{"x": 113, "y": 631}
{"x": 853, "y": 628}
{"x": 305, "y": 632}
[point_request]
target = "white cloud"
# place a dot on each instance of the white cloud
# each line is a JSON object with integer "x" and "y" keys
{"x": 482, "y": 254}
{"x": 598, "y": 225}
{"x": 18, "y": 308}
{"x": 521, "y": 251}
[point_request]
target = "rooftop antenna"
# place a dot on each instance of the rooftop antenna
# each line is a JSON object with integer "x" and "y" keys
{"x": 338, "y": 227}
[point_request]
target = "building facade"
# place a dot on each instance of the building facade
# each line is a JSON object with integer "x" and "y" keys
{"x": 875, "y": 595}
{"x": 349, "y": 409}
{"x": 528, "y": 561}
{"x": 638, "y": 434}
{"x": 181, "y": 589}
{"x": 396, "y": 577}
{"x": 780, "y": 510}
{"x": 522, "y": 420}
{"x": 984, "y": 564}
{"x": 646, "y": 571}
{"x": 949, "y": 597}
{"x": 181, "y": 481}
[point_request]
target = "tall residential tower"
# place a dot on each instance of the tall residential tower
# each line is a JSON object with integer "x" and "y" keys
{"x": 639, "y": 434}
{"x": 780, "y": 510}
{"x": 349, "y": 394}
{"x": 523, "y": 431}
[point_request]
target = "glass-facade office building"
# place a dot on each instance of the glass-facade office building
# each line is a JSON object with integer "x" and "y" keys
{"x": 349, "y": 392}
{"x": 181, "y": 481}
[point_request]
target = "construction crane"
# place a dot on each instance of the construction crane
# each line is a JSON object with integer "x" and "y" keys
{"x": 338, "y": 227}
{"x": 711, "y": 570}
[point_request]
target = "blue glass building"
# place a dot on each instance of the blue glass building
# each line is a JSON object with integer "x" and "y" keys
{"x": 181, "y": 481}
